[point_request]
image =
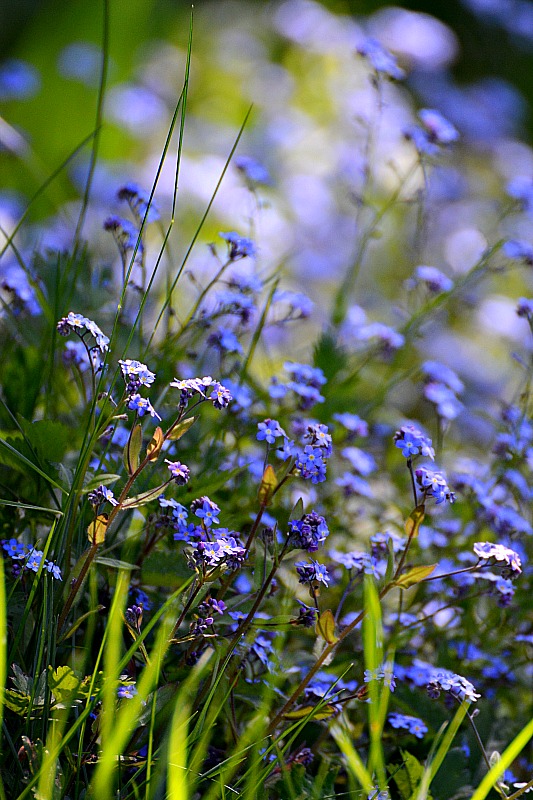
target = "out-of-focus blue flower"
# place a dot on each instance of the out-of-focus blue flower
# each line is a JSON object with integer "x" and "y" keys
{"x": 80, "y": 61}
{"x": 352, "y": 423}
{"x": 139, "y": 203}
{"x": 435, "y": 280}
{"x": 389, "y": 339}
{"x": 382, "y": 673}
{"x": 238, "y": 246}
{"x": 225, "y": 340}
{"x": 524, "y": 308}
{"x": 411, "y": 724}
{"x": 435, "y": 372}
{"x": 299, "y": 304}
{"x": 125, "y": 233}
{"x": 362, "y": 462}
{"x": 354, "y": 485}
{"x": 136, "y": 108}
{"x": 447, "y": 405}
{"x": 252, "y": 170}
{"x": 353, "y": 561}
{"x": 519, "y": 250}
{"x": 380, "y": 59}
{"x": 521, "y": 189}
{"x": 18, "y": 80}
{"x": 438, "y": 128}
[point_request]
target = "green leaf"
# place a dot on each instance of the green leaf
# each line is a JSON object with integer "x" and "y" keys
{"x": 325, "y": 627}
{"x": 144, "y": 497}
{"x": 64, "y": 684}
{"x": 74, "y": 627}
{"x": 414, "y": 576}
{"x": 297, "y": 509}
{"x": 163, "y": 696}
{"x": 267, "y": 486}
{"x": 181, "y": 428}
{"x": 165, "y": 569}
{"x": 309, "y": 711}
{"x": 115, "y": 563}
{"x": 414, "y": 521}
{"x": 104, "y": 479}
{"x": 23, "y": 682}
{"x": 97, "y": 529}
{"x": 132, "y": 450}
{"x": 408, "y": 776}
{"x": 49, "y": 439}
{"x": 17, "y": 702}
{"x": 329, "y": 356}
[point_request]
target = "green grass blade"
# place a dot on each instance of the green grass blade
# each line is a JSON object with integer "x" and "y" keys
{"x": 507, "y": 758}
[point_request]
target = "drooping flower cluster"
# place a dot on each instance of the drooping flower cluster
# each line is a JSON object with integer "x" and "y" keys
{"x": 499, "y": 553}
{"x": 456, "y": 685}
{"x": 135, "y": 375}
{"x": 219, "y": 396}
{"x": 101, "y": 495}
{"x": 77, "y": 323}
{"x": 441, "y": 387}
{"x": 383, "y": 673}
{"x": 238, "y": 246}
{"x": 436, "y": 132}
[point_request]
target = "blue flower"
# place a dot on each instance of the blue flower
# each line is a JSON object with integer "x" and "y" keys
{"x": 127, "y": 692}
{"x": 308, "y": 532}
{"x": 220, "y": 396}
{"x": 412, "y": 724}
{"x": 435, "y": 280}
{"x": 499, "y": 552}
{"x": 380, "y": 59}
{"x": 269, "y": 431}
{"x": 312, "y": 572}
{"x": 446, "y": 681}
{"x": 412, "y": 442}
{"x": 238, "y": 246}
{"x": 142, "y": 406}
{"x": 138, "y": 201}
{"x": 433, "y": 484}
{"x": 135, "y": 374}
{"x": 519, "y": 250}
{"x": 180, "y": 473}
{"x": 225, "y": 340}
{"x": 208, "y": 513}
{"x": 252, "y": 170}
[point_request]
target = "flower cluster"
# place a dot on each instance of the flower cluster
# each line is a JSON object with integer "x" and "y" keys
{"x": 433, "y": 484}
{"x": 135, "y": 375}
{"x": 29, "y": 558}
{"x": 383, "y": 673}
{"x": 310, "y": 461}
{"x": 411, "y": 724}
{"x": 435, "y": 132}
{"x": 305, "y": 382}
{"x": 499, "y": 553}
{"x": 238, "y": 246}
{"x": 180, "y": 473}
{"x": 308, "y": 532}
{"x": 101, "y": 495}
{"x": 456, "y": 685}
{"x": 412, "y": 442}
{"x": 441, "y": 387}
{"x": 312, "y": 573}
{"x": 77, "y": 323}
{"x": 219, "y": 396}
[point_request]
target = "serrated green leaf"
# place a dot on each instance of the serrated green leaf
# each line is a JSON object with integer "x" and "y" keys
{"x": 414, "y": 576}
{"x": 181, "y": 428}
{"x": 17, "y": 702}
{"x": 64, "y": 684}
{"x": 132, "y": 450}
